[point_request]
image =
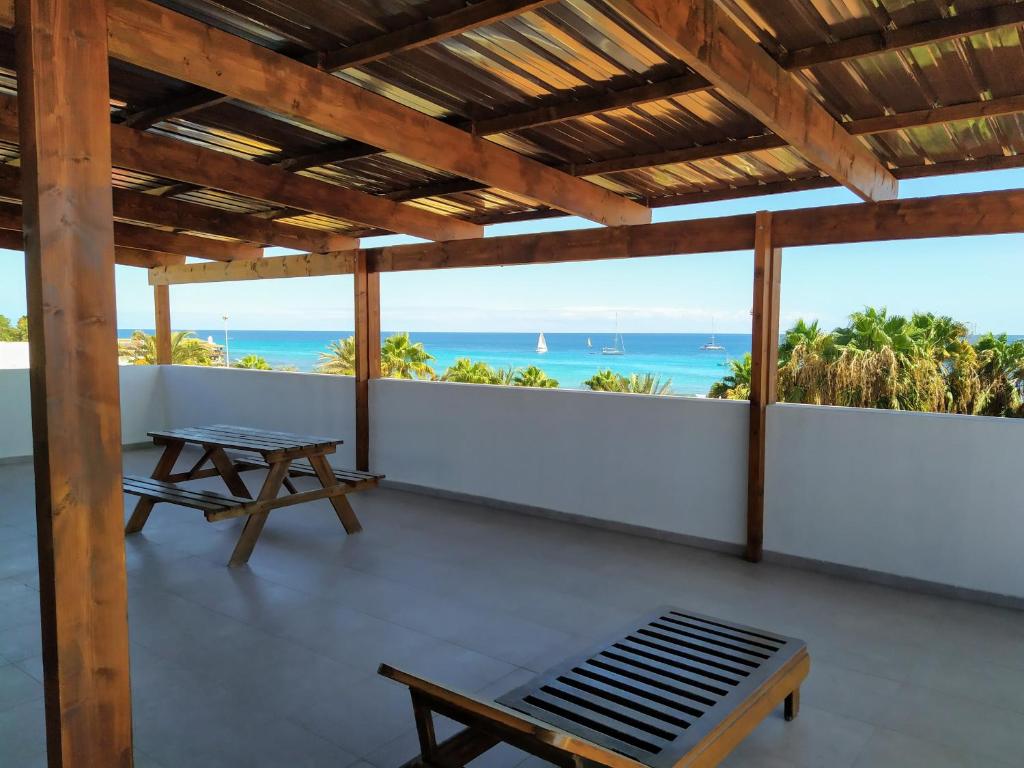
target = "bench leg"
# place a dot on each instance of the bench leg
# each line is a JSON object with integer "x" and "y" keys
{"x": 792, "y": 706}
{"x": 164, "y": 468}
{"x": 255, "y": 522}
{"x": 342, "y": 508}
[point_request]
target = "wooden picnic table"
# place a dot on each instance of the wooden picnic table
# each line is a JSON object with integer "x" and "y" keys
{"x": 282, "y": 454}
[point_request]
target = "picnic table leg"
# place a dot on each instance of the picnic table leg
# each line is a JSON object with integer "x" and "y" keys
{"x": 255, "y": 522}
{"x": 342, "y": 508}
{"x": 163, "y": 470}
{"x": 227, "y": 470}
{"x": 792, "y": 706}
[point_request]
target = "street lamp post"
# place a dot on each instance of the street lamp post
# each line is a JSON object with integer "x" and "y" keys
{"x": 227, "y": 352}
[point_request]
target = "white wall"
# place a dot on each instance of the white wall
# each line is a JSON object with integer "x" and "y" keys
{"x": 13, "y": 354}
{"x": 142, "y": 407}
{"x": 305, "y": 403}
{"x": 667, "y": 463}
{"x": 927, "y": 496}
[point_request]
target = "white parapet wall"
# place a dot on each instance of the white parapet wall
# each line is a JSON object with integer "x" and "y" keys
{"x": 670, "y": 464}
{"x": 13, "y": 354}
{"x": 142, "y": 408}
{"x": 306, "y": 403}
{"x": 924, "y": 496}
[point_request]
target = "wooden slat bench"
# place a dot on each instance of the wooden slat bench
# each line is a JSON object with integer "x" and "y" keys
{"x": 352, "y": 478}
{"x": 677, "y": 689}
{"x": 214, "y": 505}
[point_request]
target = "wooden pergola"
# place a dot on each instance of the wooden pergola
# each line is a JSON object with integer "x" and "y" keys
{"x": 139, "y": 133}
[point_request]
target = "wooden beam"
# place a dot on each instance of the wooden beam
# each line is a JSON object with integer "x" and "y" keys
{"x": 76, "y": 419}
{"x": 425, "y": 32}
{"x": 367, "y": 339}
{"x": 731, "y": 233}
{"x": 162, "y": 323}
{"x": 764, "y": 368}
{"x": 972, "y": 111}
{"x": 155, "y": 38}
{"x": 924, "y": 33}
{"x": 270, "y": 268}
{"x": 179, "y": 160}
{"x": 131, "y": 205}
{"x": 590, "y": 105}
{"x": 187, "y": 103}
{"x": 711, "y": 43}
{"x": 149, "y": 239}
{"x": 686, "y": 155}
{"x": 981, "y": 213}
{"x": 139, "y": 257}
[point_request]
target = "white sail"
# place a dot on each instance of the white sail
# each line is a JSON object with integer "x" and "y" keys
{"x": 618, "y": 346}
{"x": 542, "y": 345}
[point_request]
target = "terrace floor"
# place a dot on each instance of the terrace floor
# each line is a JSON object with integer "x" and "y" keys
{"x": 274, "y": 664}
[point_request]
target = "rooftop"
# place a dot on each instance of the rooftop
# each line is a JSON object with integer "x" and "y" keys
{"x": 274, "y": 664}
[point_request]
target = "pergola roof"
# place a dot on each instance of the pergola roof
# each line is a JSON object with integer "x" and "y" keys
{"x": 578, "y": 86}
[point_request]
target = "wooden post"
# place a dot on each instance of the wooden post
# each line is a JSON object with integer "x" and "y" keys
{"x": 162, "y": 314}
{"x": 763, "y": 373}
{"x": 367, "y": 336}
{"x": 64, "y": 122}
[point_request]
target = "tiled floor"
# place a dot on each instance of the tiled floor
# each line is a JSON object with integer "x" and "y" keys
{"x": 273, "y": 664}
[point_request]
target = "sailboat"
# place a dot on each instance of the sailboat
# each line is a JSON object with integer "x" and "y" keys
{"x": 590, "y": 346}
{"x": 618, "y": 347}
{"x": 542, "y": 345}
{"x": 712, "y": 346}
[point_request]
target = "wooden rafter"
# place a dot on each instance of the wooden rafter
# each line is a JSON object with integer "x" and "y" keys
{"x": 152, "y": 37}
{"x": 714, "y": 46}
{"x": 133, "y": 206}
{"x": 924, "y": 33}
{"x": 149, "y": 239}
{"x": 981, "y": 213}
{"x": 428, "y": 31}
{"x": 171, "y": 158}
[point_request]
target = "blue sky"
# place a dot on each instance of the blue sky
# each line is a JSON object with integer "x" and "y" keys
{"x": 977, "y": 280}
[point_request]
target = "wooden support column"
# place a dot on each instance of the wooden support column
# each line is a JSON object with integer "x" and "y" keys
{"x": 367, "y": 337}
{"x": 763, "y": 372}
{"x": 162, "y": 317}
{"x": 64, "y": 117}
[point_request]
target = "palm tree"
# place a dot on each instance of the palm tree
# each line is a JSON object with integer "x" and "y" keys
{"x": 635, "y": 383}
{"x": 339, "y": 359}
{"x": 534, "y": 377}
{"x": 736, "y": 385}
{"x": 465, "y": 371}
{"x": 505, "y": 376}
{"x": 605, "y": 381}
{"x": 648, "y": 384}
{"x": 186, "y": 349}
{"x": 1001, "y": 369}
{"x": 252, "y": 362}
{"x": 403, "y": 359}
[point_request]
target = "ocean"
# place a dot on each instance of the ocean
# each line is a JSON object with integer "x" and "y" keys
{"x": 675, "y": 356}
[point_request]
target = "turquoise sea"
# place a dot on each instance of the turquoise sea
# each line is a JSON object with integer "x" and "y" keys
{"x": 675, "y": 356}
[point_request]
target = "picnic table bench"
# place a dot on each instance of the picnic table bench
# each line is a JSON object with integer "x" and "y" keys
{"x": 677, "y": 689}
{"x": 282, "y": 454}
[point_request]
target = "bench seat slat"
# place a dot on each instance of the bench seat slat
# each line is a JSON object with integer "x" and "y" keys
{"x": 302, "y": 468}
{"x": 159, "y": 490}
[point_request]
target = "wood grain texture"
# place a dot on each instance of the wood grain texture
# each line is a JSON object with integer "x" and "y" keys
{"x": 716, "y": 48}
{"x": 267, "y": 268}
{"x": 133, "y": 206}
{"x": 76, "y": 421}
{"x": 763, "y": 373}
{"x": 366, "y": 287}
{"x": 155, "y": 38}
{"x": 425, "y": 32}
{"x": 182, "y": 161}
{"x": 162, "y": 323}
{"x": 149, "y": 239}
